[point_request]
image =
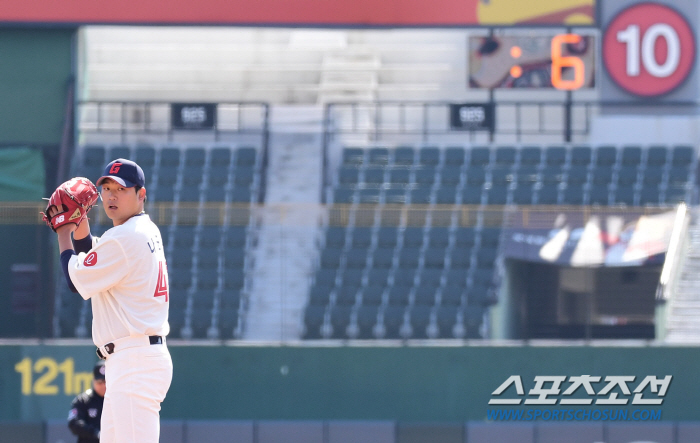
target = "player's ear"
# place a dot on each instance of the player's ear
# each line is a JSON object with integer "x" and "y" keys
{"x": 142, "y": 194}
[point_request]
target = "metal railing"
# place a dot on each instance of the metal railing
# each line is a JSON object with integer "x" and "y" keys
{"x": 123, "y": 118}
{"x": 429, "y": 121}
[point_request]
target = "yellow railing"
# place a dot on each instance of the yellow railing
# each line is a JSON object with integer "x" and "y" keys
{"x": 217, "y": 214}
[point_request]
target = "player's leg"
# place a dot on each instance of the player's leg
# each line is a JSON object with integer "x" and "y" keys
{"x": 107, "y": 426}
{"x": 143, "y": 380}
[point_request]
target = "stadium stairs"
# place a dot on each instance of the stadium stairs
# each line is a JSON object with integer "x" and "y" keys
{"x": 683, "y": 323}
{"x": 290, "y": 222}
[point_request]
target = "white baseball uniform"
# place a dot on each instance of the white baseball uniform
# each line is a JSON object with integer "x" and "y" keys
{"x": 125, "y": 277}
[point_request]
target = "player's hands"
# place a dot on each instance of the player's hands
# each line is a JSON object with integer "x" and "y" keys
{"x": 69, "y": 227}
{"x": 70, "y": 203}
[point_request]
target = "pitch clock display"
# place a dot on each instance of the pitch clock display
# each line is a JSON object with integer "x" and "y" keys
{"x": 562, "y": 61}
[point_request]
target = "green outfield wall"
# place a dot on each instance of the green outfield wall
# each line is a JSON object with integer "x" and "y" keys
{"x": 402, "y": 383}
{"x": 37, "y": 65}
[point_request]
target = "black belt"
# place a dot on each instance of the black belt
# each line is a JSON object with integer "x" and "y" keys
{"x": 109, "y": 347}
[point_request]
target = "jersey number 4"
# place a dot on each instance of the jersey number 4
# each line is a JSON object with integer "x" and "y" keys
{"x": 162, "y": 284}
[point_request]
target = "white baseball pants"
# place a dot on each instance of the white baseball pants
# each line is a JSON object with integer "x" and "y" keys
{"x": 137, "y": 380}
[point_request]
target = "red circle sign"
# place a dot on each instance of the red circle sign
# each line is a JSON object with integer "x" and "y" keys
{"x": 649, "y": 49}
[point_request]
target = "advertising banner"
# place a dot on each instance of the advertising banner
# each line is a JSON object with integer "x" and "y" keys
{"x": 305, "y": 12}
{"x": 579, "y": 239}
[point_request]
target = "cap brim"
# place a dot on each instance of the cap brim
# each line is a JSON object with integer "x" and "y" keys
{"x": 121, "y": 181}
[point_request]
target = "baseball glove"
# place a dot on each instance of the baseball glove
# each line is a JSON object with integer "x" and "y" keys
{"x": 73, "y": 199}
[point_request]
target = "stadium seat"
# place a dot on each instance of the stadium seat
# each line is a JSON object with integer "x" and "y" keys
{"x": 200, "y": 322}
{"x": 425, "y": 177}
{"x": 606, "y": 156}
{"x": 471, "y": 195}
{"x": 378, "y": 156}
{"x": 599, "y": 195}
{"x": 378, "y": 277}
{"x": 399, "y": 176}
{"x": 169, "y": 158}
{"x": 479, "y": 156}
{"x": 326, "y": 277}
{"x": 446, "y": 317}
{"x": 682, "y": 156}
{"x": 489, "y": 237}
{"x": 366, "y": 321}
{"x": 424, "y": 296}
{"x": 145, "y": 156}
{"x": 438, "y": 237}
{"x": 475, "y": 176}
{"x": 581, "y": 155}
{"x": 505, "y": 155}
{"x": 361, "y": 237}
{"x": 675, "y": 195}
{"x": 657, "y": 156}
{"x": 530, "y": 156}
{"x": 577, "y": 175}
{"x": 548, "y": 195}
{"x": 313, "y": 320}
{"x": 346, "y": 295}
{"x": 404, "y": 155}
{"x": 450, "y": 176}
{"x": 429, "y": 156}
{"x": 235, "y": 236}
{"x": 405, "y": 277}
{"x": 353, "y": 156}
{"x": 382, "y": 258}
{"x": 373, "y": 175}
{"x": 631, "y": 156}
{"x": 373, "y": 295}
{"x": 573, "y": 195}
{"x": 555, "y": 156}
{"x": 409, "y": 258}
{"x": 119, "y": 151}
{"x": 497, "y": 195}
{"x": 446, "y": 196}
{"x": 228, "y": 322}
{"x": 454, "y": 156}
{"x": 356, "y": 258}
{"x": 392, "y": 319}
{"x": 523, "y": 194}
{"x": 419, "y": 318}
{"x": 246, "y": 156}
{"x": 649, "y": 195}
{"x": 320, "y": 295}
{"x": 432, "y": 276}
{"x": 452, "y": 295}
{"x": 343, "y": 196}
{"x": 220, "y": 156}
{"x": 472, "y": 318}
{"x": 395, "y": 196}
{"x": 602, "y": 175}
{"x": 340, "y": 320}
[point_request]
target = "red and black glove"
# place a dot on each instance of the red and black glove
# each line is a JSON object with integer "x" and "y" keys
{"x": 73, "y": 199}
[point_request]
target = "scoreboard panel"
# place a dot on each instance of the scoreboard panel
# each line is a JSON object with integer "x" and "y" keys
{"x": 560, "y": 61}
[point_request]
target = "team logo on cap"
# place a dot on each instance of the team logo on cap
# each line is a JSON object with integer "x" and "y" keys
{"x": 115, "y": 168}
{"x": 91, "y": 259}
